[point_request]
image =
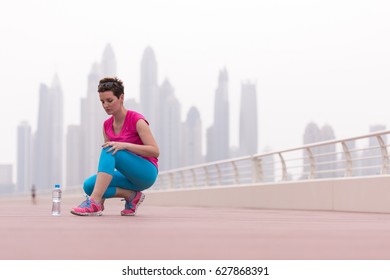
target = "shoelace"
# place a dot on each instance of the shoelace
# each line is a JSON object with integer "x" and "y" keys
{"x": 128, "y": 204}
{"x": 85, "y": 203}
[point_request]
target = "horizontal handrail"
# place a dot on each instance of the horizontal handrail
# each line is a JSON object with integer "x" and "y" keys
{"x": 325, "y": 159}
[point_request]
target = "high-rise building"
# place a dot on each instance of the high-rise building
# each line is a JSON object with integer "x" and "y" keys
{"x": 48, "y": 141}
{"x": 248, "y": 120}
{"x": 41, "y": 154}
{"x": 149, "y": 89}
{"x": 57, "y": 120}
{"x": 218, "y": 144}
{"x": 132, "y": 104}
{"x": 108, "y": 65}
{"x": 74, "y": 168}
{"x": 192, "y": 138}
{"x": 5, "y": 174}
{"x": 93, "y": 115}
{"x": 6, "y": 184}
{"x": 169, "y": 140}
{"x": 24, "y": 157}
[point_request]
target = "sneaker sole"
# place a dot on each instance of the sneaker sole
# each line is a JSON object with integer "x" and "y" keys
{"x": 136, "y": 207}
{"x": 86, "y": 214}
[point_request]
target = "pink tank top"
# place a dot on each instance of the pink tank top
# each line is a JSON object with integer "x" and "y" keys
{"x": 128, "y": 132}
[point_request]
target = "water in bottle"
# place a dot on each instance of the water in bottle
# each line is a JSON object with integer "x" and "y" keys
{"x": 56, "y": 197}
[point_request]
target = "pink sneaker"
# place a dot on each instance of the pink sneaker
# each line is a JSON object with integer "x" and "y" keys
{"x": 88, "y": 208}
{"x": 132, "y": 205}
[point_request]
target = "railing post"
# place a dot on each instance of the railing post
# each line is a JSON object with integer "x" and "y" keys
{"x": 219, "y": 174}
{"x": 257, "y": 169}
{"x": 194, "y": 181}
{"x": 206, "y": 172}
{"x": 284, "y": 167}
{"x": 348, "y": 160}
{"x": 385, "y": 155}
{"x": 236, "y": 173}
{"x": 171, "y": 180}
{"x": 183, "y": 180}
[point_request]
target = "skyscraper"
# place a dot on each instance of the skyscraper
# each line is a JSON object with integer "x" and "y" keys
{"x": 24, "y": 157}
{"x": 132, "y": 104}
{"x": 169, "y": 140}
{"x": 149, "y": 89}
{"x": 57, "y": 120}
{"x": 248, "y": 120}
{"x": 192, "y": 138}
{"x": 108, "y": 64}
{"x": 74, "y": 168}
{"x": 218, "y": 143}
{"x": 93, "y": 115}
{"x": 41, "y": 154}
{"x": 6, "y": 185}
{"x": 48, "y": 141}
{"x": 5, "y": 175}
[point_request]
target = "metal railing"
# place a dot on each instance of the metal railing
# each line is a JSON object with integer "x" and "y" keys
{"x": 358, "y": 156}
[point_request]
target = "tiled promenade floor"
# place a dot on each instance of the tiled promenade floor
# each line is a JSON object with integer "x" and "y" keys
{"x": 165, "y": 233}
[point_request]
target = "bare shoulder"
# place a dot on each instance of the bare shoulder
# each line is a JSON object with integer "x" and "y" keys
{"x": 142, "y": 124}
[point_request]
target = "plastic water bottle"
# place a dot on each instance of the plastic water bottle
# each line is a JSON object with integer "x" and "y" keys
{"x": 56, "y": 197}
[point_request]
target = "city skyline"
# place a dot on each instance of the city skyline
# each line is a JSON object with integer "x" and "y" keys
{"x": 82, "y": 142}
{"x": 322, "y": 62}
{"x": 87, "y": 133}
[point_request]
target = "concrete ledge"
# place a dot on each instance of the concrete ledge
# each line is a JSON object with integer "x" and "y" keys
{"x": 365, "y": 194}
{"x": 359, "y": 194}
{"x": 356, "y": 194}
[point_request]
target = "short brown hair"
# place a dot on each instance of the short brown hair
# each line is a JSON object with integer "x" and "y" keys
{"x": 111, "y": 84}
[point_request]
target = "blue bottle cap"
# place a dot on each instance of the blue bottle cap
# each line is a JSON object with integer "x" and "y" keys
{"x": 57, "y": 186}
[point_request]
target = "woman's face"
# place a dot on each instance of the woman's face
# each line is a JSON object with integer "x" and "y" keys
{"x": 110, "y": 102}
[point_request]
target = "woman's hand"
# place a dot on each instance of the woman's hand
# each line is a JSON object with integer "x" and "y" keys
{"x": 115, "y": 146}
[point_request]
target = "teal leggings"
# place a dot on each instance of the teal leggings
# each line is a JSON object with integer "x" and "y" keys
{"x": 128, "y": 170}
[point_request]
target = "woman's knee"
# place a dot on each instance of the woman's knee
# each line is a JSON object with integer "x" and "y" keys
{"x": 89, "y": 185}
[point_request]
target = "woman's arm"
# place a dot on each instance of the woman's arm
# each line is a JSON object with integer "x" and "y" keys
{"x": 105, "y": 136}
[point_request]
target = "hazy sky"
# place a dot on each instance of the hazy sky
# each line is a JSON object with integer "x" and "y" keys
{"x": 322, "y": 61}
